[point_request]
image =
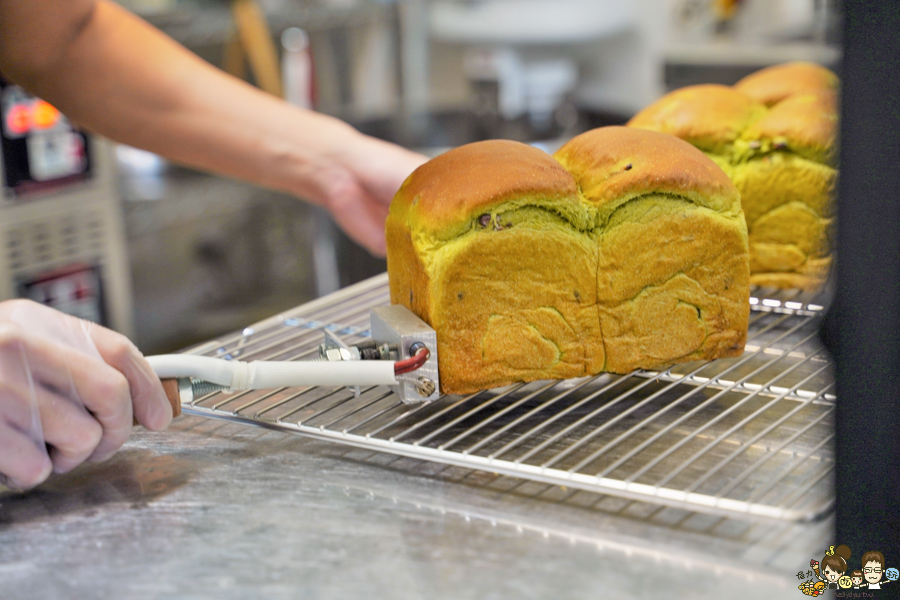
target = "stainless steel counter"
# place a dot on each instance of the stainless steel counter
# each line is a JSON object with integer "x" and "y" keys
{"x": 210, "y": 509}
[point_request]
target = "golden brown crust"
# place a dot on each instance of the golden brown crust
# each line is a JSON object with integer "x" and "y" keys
{"x": 408, "y": 281}
{"x": 449, "y": 191}
{"x": 649, "y": 268}
{"x": 615, "y": 164}
{"x": 805, "y": 123}
{"x": 776, "y": 83}
{"x": 711, "y": 117}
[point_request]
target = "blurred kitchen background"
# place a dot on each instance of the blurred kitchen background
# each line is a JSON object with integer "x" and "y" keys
{"x": 207, "y": 255}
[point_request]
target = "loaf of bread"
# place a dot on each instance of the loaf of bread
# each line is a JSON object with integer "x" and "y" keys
{"x": 627, "y": 249}
{"x": 773, "y": 133}
{"x": 773, "y": 84}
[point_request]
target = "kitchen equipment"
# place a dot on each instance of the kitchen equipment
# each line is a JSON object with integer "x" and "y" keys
{"x": 749, "y": 436}
{"x": 401, "y": 355}
{"x": 61, "y": 229}
{"x": 526, "y": 59}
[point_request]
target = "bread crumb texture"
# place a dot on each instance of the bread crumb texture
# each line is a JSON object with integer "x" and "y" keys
{"x": 773, "y": 133}
{"x": 626, "y": 249}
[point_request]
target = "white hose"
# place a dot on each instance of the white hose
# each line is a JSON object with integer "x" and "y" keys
{"x": 260, "y": 375}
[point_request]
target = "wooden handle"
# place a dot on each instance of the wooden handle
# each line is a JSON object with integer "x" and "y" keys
{"x": 171, "y": 388}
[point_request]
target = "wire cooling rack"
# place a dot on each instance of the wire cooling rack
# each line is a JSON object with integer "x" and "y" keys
{"x": 746, "y": 436}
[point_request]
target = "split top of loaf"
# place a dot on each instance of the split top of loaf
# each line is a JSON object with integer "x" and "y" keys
{"x": 626, "y": 249}
{"x": 582, "y": 185}
{"x": 773, "y": 84}
{"x": 723, "y": 121}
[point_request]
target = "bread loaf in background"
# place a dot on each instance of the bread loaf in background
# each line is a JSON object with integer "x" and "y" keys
{"x": 773, "y": 84}
{"x": 626, "y": 250}
{"x": 773, "y": 133}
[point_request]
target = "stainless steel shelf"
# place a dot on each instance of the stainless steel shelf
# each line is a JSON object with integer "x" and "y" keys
{"x": 749, "y": 436}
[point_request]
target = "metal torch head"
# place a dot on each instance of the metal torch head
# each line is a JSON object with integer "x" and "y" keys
{"x": 399, "y": 328}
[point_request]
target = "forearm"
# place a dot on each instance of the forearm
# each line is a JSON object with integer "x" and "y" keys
{"x": 124, "y": 79}
{"x": 118, "y": 76}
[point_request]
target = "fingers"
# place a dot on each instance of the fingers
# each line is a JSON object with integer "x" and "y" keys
{"x": 361, "y": 182}
{"x": 150, "y": 405}
{"x": 65, "y": 362}
{"x": 388, "y": 168}
{"x": 22, "y": 462}
{"x": 360, "y": 215}
{"x": 64, "y": 372}
{"x": 72, "y": 433}
{"x": 82, "y": 340}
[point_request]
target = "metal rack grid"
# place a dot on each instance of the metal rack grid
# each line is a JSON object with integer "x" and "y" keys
{"x": 746, "y": 436}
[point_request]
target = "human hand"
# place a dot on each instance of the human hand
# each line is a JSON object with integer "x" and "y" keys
{"x": 355, "y": 178}
{"x": 70, "y": 387}
{"x": 377, "y": 169}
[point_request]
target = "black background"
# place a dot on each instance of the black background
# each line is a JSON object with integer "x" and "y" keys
{"x": 862, "y": 328}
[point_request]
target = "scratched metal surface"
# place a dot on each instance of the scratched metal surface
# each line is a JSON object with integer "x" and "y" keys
{"x": 225, "y": 510}
{"x": 210, "y": 509}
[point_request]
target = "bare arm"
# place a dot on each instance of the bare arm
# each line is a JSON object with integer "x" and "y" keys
{"x": 120, "y": 77}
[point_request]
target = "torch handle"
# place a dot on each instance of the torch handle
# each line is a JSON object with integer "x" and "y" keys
{"x": 171, "y": 388}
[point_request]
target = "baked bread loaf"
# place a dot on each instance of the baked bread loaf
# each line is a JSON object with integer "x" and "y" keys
{"x": 773, "y": 84}
{"x": 780, "y": 156}
{"x": 626, "y": 250}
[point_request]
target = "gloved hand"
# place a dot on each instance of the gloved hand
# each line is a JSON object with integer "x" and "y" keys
{"x": 69, "y": 390}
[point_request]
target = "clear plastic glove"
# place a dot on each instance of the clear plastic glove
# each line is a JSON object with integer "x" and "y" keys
{"x": 69, "y": 390}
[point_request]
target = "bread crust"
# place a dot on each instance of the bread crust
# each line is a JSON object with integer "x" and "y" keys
{"x": 466, "y": 182}
{"x": 629, "y": 252}
{"x": 612, "y": 165}
{"x": 805, "y": 124}
{"x": 778, "y": 82}
{"x": 710, "y": 117}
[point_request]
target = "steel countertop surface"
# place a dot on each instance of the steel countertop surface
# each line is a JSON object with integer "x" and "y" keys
{"x": 226, "y": 510}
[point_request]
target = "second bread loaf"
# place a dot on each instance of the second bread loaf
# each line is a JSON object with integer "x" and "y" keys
{"x": 774, "y": 134}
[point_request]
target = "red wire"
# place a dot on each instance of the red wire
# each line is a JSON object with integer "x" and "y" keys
{"x": 413, "y": 362}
